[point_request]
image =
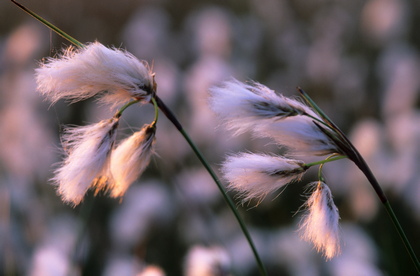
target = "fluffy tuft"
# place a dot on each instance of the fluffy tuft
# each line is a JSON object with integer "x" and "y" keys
{"x": 320, "y": 223}
{"x": 242, "y": 106}
{"x": 256, "y": 175}
{"x": 130, "y": 159}
{"x": 79, "y": 74}
{"x": 88, "y": 149}
{"x": 256, "y": 108}
{"x": 298, "y": 134}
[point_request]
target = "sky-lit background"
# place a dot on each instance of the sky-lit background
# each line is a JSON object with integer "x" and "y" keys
{"x": 359, "y": 60}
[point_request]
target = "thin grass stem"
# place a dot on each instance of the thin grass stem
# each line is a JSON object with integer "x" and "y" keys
{"x": 168, "y": 113}
{"x": 124, "y": 107}
{"x": 327, "y": 160}
{"x": 400, "y": 231}
{"x": 50, "y": 25}
{"x": 155, "y": 105}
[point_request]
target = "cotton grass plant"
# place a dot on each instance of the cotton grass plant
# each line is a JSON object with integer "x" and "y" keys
{"x": 114, "y": 76}
{"x": 303, "y": 129}
{"x": 117, "y": 78}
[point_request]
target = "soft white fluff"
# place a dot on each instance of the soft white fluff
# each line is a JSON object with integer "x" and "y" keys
{"x": 242, "y": 106}
{"x": 255, "y": 108}
{"x": 256, "y": 175}
{"x": 320, "y": 223}
{"x": 79, "y": 74}
{"x": 88, "y": 149}
{"x": 299, "y": 134}
{"x": 130, "y": 159}
{"x": 207, "y": 261}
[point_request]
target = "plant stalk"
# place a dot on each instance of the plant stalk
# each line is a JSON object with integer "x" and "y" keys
{"x": 49, "y": 25}
{"x": 168, "y": 113}
{"x": 321, "y": 162}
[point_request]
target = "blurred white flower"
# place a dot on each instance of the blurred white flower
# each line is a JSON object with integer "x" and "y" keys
{"x": 152, "y": 207}
{"x": 359, "y": 256}
{"x": 320, "y": 223}
{"x": 151, "y": 270}
{"x": 49, "y": 261}
{"x": 130, "y": 159}
{"x": 88, "y": 149}
{"x": 296, "y": 256}
{"x": 256, "y": 175}
{"x": 122, "y": 265}
{"x": 207, "y": 261}
{"x": 83, "y": 73}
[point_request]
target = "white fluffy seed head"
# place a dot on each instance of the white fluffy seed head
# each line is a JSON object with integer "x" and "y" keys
{"x": 83, "y": 73}
{"x": 88, "y": 149}
{"x": 258, "y": 109}
{"x": 130, "y": 159}
{"x": 320, "y": 223}
{"x": 254, "y": 176}
{"x": 242, "y": 106}
{"x": 298, "y": 134}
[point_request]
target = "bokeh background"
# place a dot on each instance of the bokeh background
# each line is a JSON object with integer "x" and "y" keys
{"x": 359, "y": 60}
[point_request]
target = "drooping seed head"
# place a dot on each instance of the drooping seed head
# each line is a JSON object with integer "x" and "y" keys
{"x": 88, "y": 150}
{"x": 130, "y": 159}
{"x": 320, "y": 223}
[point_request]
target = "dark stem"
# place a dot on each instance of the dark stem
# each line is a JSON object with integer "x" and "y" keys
{"x": 168, "y": 113}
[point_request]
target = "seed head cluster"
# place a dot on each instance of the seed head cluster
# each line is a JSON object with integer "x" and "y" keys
{"x": 292, "y": 125}
{"x": 92, "y": 160}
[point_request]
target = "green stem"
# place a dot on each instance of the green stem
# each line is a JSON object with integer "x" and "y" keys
{"x": 400, "y": 231}
{"x": 327, "y": 160}
{"x": 228, "y": 200}
{"x": 51, "y": 26}
{"x": 124, "y": 107}
{"x": 369, "y": 175}
{"x": 155, "y": 105}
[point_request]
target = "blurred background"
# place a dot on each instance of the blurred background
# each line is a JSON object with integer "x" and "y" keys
{"x": 359, "y": 60}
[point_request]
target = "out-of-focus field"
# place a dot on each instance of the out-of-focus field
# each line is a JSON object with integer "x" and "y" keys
{"x": 359, "y": 60}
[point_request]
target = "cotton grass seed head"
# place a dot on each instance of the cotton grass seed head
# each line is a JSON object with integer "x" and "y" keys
{"x": 242, "y": 105}
{"x": 256, "y": 175}
{"x": 88, "y": 150}
{"x": 256, "y": 108}
{"x": 130, "y": 159}
{"x": 79, "y": 74}
{"x": 320, "y": 223}
{"x": 298, "y": 134}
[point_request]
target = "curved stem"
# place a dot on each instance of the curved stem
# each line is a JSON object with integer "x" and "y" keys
{"x": 369, "y": 175}
{"x": 400, "y": 231}
{"x": 228, "y": 200}
{"x": 155, "y": 105}
{"x": 124, "y": 107}
{"x": 327, "y": 160}
{"x": 49, "y": 25}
